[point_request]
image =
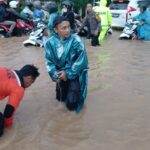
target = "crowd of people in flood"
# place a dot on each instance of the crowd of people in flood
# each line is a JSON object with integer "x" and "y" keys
{"x": 65, "y": 53}
{"x": 97, "y": 19}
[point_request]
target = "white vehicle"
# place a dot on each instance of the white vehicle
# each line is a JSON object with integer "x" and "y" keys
{"x": 118, "y": 9}
{"x": 133, "y": 9}
{"x": 123, "y": 10}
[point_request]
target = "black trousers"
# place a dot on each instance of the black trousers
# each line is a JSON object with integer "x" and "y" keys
{"x": 69, "y": 92}
{"x": 94, "y": 40}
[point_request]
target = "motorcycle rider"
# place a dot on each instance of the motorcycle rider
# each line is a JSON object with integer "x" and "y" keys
{"x": 38, "y": 14}
{"x": 28, "y": 10}
{"x": 4, "y": 19}
{"x": 68, "y": 13}
{"x": 143, "y": 29}
{"x": 13, "y": 14}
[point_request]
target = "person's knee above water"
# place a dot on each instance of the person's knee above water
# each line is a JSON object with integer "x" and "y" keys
{"x": 13, "y": 85}
{"x": 67, "y": 65}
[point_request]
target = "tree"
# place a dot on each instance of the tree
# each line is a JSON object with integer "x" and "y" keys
{"x": 81, "y": 5}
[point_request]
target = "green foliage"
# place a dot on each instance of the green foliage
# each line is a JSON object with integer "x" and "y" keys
{"x": 80, "y": 4}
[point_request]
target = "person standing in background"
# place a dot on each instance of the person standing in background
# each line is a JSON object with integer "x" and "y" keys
{"x": 105, "y": 18}
{"x": 94, "y": 25}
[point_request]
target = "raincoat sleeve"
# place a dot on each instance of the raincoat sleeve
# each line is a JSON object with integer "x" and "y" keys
{"x": 138, "y": 17}
{"x": 147, "y": 18}
{"x": 81, "y": 62}
{"x": 49, "y": 61}
{"x": 14, "y": 101}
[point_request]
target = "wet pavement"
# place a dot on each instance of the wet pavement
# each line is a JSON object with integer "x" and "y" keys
{"x": 117, "y": 109}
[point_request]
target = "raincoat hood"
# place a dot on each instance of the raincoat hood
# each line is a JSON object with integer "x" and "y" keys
{"x": 103, "y": 2}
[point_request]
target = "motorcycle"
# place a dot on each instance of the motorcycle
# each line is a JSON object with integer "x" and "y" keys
{"x": 28, "y": 27}
{"x": 37, "y": 36}
{"x": 21, "y": 28}
{"x": 129, "y": 31}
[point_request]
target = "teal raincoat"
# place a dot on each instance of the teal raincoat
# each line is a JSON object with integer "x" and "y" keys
{"x": 144, "y": 30}
{"x": 68, "y": 55}
{"x": 50, "y": 22}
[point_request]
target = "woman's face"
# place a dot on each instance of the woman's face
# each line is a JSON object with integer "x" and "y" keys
{"x": 63, "y": 29}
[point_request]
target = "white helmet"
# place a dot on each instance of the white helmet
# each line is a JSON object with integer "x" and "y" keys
{"x": 13, "y": 4}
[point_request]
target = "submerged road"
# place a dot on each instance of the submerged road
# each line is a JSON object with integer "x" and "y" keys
{"x": 117, "y": 110}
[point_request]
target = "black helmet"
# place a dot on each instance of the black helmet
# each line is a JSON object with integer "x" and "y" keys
{"x": 67, "y": 3}
{"x": 51, "y": 7}
{"x": 29, "y": 4}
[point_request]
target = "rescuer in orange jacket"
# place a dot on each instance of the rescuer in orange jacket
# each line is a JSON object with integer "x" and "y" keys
{"x": 12, "y": 85}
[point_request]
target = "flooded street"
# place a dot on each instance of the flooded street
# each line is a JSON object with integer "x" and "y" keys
{"x": 117, "y": 110}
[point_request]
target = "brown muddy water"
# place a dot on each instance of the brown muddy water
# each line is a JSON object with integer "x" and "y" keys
{"x": 117, "y": 110}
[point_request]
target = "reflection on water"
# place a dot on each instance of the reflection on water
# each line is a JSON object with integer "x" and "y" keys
{"x": 116, "y": 114}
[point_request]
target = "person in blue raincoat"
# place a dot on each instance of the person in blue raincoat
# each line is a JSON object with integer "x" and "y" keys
{"x": 143, "y": 29}
{"x": 38, "y": 14}
{"x": 67, "y": 65}
{"x": 53, "y": 10}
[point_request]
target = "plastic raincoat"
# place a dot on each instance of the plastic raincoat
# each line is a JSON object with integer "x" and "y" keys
{"x": 144, "y": 30}
{"x": 50, "y": 22}
{"x": 38, "y": 16}
{"x": 105, "y": 18}
{"x": 72, "y": 59}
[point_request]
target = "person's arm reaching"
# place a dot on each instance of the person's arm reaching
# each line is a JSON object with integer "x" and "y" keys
{"x": 12, "y": 105}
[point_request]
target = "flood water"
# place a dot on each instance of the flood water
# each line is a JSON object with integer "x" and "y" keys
{"x": 117, "y": 110}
